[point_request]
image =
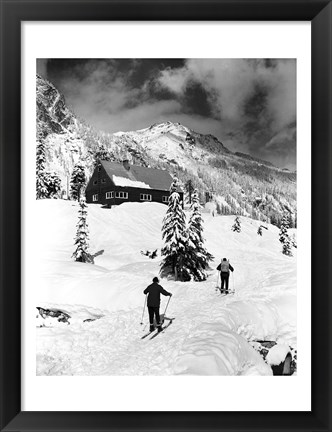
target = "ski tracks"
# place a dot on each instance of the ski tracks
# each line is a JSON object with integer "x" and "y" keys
{"x": 208, "y": 330}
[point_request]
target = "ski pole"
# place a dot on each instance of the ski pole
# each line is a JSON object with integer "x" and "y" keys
{"x": 167, "y": 305}
{"x": 217, "y": 286}
{"x": 146, "y": 296}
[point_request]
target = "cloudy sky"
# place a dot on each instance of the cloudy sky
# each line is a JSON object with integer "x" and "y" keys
{"x": 248, "y": 104}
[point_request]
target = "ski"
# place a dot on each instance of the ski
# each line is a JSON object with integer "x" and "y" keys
{"x": 148, "y": 334}
{"x": 164, "y": 328}
{"x": 224, "y": 292}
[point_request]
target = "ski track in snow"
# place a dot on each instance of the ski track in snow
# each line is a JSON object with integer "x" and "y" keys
{"x": 210, "y": 332}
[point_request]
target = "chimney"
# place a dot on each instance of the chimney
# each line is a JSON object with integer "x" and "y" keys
{"x": 126, "y": 165}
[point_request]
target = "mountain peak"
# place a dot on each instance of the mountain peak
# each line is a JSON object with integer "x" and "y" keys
{"x": 167, "y": 125}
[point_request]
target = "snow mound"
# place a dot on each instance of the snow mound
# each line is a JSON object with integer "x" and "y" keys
{"x": 277, "y": 354}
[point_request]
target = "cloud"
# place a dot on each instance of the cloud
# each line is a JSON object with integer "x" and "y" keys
{"x": 138, "y": 117}
{"x": 282, "y": 147}
{"x": 253, "y": 100}
{"x": 41, "y": 66}
{"x": 173, "y": 79}
{"x": 97, "y": 91}
{"x": 281, "y": 85}
{"x": 231, "y": 82}
{"x": 281, "y": 139}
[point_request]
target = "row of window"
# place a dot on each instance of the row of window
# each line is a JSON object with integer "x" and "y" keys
{"x": 124, "y": 195}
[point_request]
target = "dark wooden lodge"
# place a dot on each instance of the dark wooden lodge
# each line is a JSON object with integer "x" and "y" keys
{"x": 115, "y": 183}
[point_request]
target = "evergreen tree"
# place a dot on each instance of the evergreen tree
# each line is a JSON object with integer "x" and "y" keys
{"x": 189, "y": 189}
{"x": 102, "y": 153}
{"x": 175, "y": 237}
{"x": 81, "y": 253}
{"x": 77, "y": 181}
{"x": 40, "y": 157}
{"x": 237, "y": 225}
{"x": 48, "y": 184}
{"x": 197, "y": 256}
{"x": 284, "y": 236}
{"x": 41, "y": 190}
{"x": 53, "y": 184}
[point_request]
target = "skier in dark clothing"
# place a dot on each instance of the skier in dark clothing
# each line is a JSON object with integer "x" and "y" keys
{"x": 154, "y": 290}
{"x": 224, "y": 267}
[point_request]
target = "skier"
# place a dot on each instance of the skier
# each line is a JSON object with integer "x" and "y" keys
{"x": 224, "y": 267}
{"x": 154, "y": 290}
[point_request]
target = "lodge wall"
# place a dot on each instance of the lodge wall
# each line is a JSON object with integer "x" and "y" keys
{"x": 133, "y": 195}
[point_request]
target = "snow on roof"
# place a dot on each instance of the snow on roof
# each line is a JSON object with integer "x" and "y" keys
{"x": 122, "y": 181}
{"x": 153, "y": 178}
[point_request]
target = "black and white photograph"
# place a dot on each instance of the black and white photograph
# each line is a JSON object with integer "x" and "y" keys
{"x": 166, "y": 197}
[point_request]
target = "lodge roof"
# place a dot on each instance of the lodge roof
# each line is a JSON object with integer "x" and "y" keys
{"x": 153, "y": 178}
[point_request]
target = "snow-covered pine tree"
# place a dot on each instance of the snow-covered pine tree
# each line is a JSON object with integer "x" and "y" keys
{"x": 81, "y": 253}
{"x": 284, "y": 236}
{"x": 102, "y": 153}
{"x": 237, "y": 225}
{"x": 40, "y": 157}
{"x": 41, "y": 190}
{"x": 287, "y": 247}
{"x": 197, "y": 256}
{"x": 189, "y": 189}
{"x": 175, "y": 236}
{"x": 48, "y": 184}
{"x": 77, "y": 181}
{"x": 53, "y": 184}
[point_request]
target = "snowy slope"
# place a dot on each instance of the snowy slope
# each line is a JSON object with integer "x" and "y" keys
{"x": 210, "y": 333}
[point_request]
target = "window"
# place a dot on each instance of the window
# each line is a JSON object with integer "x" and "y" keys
{"x": 123, "y": 195}
{"x": 95, "y": 197}
{"x": 103, "y": 180}
{"x": 109, "y": 195}
{"x": 165, "y": 199}
{"x": 99, "y": 169}
{"x": 95, "y": 182}
{"x": 146, "y": 197}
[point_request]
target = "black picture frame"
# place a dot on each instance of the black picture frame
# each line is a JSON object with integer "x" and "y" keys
{"x": 13, "y": 12}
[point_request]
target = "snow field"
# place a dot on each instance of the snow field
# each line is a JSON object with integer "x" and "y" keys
{"x": 209, "y": 333}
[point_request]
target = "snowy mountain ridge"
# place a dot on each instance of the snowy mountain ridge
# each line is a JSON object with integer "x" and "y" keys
{"x": 235, "y": 182}
{"x": 176, "y": 144}
{"x": 175, "y": 131}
